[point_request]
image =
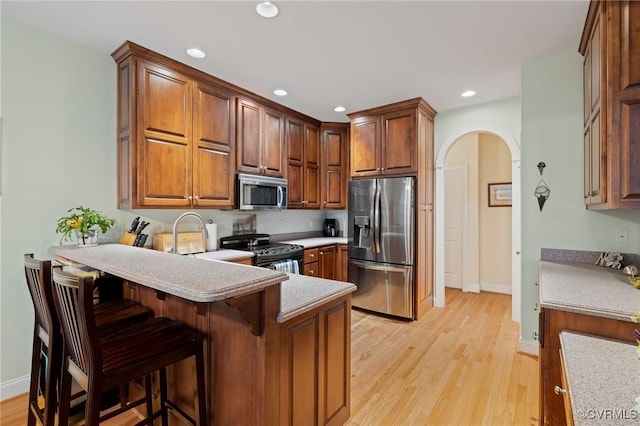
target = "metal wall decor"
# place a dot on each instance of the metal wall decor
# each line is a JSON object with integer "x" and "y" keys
{"x": 542, "y": 191}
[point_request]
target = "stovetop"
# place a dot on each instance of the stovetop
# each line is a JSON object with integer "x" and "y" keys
{"x": 260, "y": 245}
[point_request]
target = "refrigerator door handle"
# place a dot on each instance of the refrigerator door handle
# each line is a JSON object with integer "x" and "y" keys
{"x": 387, "y": 268}
{"x": 376, "y": 220}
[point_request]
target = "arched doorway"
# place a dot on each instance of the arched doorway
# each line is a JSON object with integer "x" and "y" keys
{"x": 439, "y": 299}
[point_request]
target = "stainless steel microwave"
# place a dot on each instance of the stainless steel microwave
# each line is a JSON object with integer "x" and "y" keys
{"x": 260, "y": 192}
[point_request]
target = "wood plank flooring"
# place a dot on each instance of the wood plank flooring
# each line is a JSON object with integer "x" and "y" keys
{"x": 456, "y": 366}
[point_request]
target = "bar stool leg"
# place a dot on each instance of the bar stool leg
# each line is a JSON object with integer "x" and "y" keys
{"x": 148, "y": 392}
{"x": 163, "y": 397}
{"x": 92, "y": 409}
{"x": 65, "y": 396}
{"x": 35, "y": 373}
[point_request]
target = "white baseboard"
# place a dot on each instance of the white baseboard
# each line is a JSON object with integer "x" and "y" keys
{"x": 471, "y": 288}
{"x": 531, "y": 347}
{"x": 495, "y": 288}
{"x": 14, "y": 387}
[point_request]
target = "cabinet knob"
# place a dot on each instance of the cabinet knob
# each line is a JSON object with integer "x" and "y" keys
{"x": 378, "y": 169}
{"x": 196, "y": 197}
{"x": 559, "y": 391}
{"x": 190, "y": 197}
{"x": 325, "y": 203}
{"x": 382, "y": 169}
{"x": 586, "y": 195}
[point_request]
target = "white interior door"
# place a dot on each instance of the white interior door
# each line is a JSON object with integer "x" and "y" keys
{"x": 455, "y": 213}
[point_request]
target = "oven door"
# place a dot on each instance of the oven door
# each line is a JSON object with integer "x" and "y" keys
{"x": 292, "y": 266}
{"x": 261, "y": 193}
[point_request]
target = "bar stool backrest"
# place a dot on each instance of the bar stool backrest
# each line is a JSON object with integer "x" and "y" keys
{"x": 38, "y": 275}
{"x": 73, "y": 298}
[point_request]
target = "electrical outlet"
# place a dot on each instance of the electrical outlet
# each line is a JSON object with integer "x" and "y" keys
{"x": 621, "y": 236}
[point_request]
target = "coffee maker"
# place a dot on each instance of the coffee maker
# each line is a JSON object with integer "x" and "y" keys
{"x": 330, "y": 228}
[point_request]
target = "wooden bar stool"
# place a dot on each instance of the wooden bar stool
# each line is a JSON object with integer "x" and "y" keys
{"x": 135, "y": 352}
{"x": 47, "y": 336}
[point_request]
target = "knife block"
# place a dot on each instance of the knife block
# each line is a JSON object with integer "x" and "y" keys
{"x": 128, "y": 239}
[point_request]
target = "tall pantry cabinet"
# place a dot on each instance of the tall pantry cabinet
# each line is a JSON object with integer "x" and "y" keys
{"x": 611, "y": 48}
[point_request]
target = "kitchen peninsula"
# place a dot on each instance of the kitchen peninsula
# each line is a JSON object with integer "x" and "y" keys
{"x": 277, "y": 348}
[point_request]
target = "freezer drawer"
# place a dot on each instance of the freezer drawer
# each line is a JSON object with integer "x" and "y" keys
{"x": 382, "y": 287}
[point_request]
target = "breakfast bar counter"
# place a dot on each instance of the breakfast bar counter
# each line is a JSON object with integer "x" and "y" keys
{"x": 260, "y": 326}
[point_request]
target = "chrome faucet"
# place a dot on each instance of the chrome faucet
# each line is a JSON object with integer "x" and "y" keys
{"x": 205, "y": 234}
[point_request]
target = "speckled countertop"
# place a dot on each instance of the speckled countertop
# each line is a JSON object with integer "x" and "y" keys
{"x": 318, "y": 242}
{"x": 587, "y": 289}
{"x": 603, "y": 380}
{"x": 225, "y": 254}
{"x": 302, "y": 293}
{"x": 183, "y": 276}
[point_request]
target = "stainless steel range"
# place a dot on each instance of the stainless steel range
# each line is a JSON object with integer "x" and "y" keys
{"x": 278, "y": 256}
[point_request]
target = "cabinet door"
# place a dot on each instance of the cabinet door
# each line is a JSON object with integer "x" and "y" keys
{"x": 630, "y": 107}
{"x": 399, "y": 153}
{"x": 327, "y": 263}
{"x": 295, "y": 165}
{"x": 272, "y": 143}
{"x": 214, "y": 147}
{"x": 342, "y": 263}
{"x": 365, "y": 146}
{"x": 164, "y": 152}
{"x": 596, "y": 195}
{"x": 334, "y": 175}
{"x": 248, "y": 137}
{"x": 311, "y": 167}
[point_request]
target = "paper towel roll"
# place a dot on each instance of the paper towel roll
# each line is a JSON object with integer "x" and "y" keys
{"x": 212, "y": 238}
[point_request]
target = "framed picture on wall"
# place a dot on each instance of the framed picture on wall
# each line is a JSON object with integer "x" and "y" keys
{"x": 500, "y": 194}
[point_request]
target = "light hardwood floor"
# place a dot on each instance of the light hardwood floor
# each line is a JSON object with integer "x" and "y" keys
{"x": 456, "y": 366}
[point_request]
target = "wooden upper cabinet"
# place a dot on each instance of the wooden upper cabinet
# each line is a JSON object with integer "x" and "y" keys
{"x": 384, "y": 140}
{"x": 214, "y": 147}
{"x": 611, "y": 47}
{"x": 303, "y": 164}
{"x": 365, "y": 146}
{"x": 399, "y": 142}
{"x": 260, "y": 139}
{"x": 176, "y": 134}
{"x": 164, "y": 168}
{"x": 334, "y": 148}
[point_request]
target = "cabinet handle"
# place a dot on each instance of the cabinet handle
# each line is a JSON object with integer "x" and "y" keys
{"x": 559, "y": 391}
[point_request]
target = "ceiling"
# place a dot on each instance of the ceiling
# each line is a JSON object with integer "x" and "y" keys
{"x": 359, "y": 54}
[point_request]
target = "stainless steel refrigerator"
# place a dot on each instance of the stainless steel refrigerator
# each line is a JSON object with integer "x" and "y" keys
{"x": 381, "y": 248}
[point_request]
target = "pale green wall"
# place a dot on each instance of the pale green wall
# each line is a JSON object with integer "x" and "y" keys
{"x": 552, "y": 132}
{"x": 58, "y": 134}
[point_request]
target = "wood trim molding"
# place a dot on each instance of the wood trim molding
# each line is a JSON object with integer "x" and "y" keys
{"x": 251, "y": 308}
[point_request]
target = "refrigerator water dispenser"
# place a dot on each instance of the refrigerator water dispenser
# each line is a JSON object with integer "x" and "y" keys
{"x": 361, "y": 231}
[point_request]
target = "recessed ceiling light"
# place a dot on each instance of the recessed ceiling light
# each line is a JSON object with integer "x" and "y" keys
{"x": 267, "y": 9}
{"x": 196, "y": 53}
{"x": 468, "y": 93}
{"x": 339, "y": 108}
{"x": 280, "y": 92}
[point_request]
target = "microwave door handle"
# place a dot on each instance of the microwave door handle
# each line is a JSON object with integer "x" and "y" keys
{"x": 280, "y": 196}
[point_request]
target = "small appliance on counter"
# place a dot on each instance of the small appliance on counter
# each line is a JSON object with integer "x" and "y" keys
{"x": 330, "y": 228}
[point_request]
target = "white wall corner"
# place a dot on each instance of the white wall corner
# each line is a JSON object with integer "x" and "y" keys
{"x": 530, "y": 347}
{"x": 495, "y": 288}
{"x": 14, "y": 387}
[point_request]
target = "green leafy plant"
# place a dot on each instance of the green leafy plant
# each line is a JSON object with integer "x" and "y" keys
{"x": 81, "y": 219}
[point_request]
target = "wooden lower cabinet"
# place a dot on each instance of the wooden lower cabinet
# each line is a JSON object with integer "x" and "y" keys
{"x": 342, "y": 259}
{"x": 257, "y": 371}
{"x": 324, "y": 262}
{"x": 552, "y": 322}
{"x": 315, "y": 366}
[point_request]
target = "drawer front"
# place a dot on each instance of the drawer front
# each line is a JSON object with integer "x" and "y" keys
{"x": 311, "y": 255}
{"x": 311, "y": 269}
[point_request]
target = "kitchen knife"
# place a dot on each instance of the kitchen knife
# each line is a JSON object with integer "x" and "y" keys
{"x": 143, "y": 240}
{"x": 143, "y": 225}
{"x": 136, "y": 243}
{"x": 134, "y": 224}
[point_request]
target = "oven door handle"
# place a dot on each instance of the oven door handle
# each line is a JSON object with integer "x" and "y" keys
{"x": 280, "y": 196}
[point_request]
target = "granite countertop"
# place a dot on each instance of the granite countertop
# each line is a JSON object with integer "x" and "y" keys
{"x": 603, "y": 379}
{"x": 318, "y": 242}
{"x": 183, "y": 276}
{"x": 587, "y": 289}
{"x": 303, "y": 293}
{"x": 224, "y": 254}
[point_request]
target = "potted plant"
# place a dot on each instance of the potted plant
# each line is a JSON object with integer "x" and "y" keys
{"x": 84, "y": 222}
